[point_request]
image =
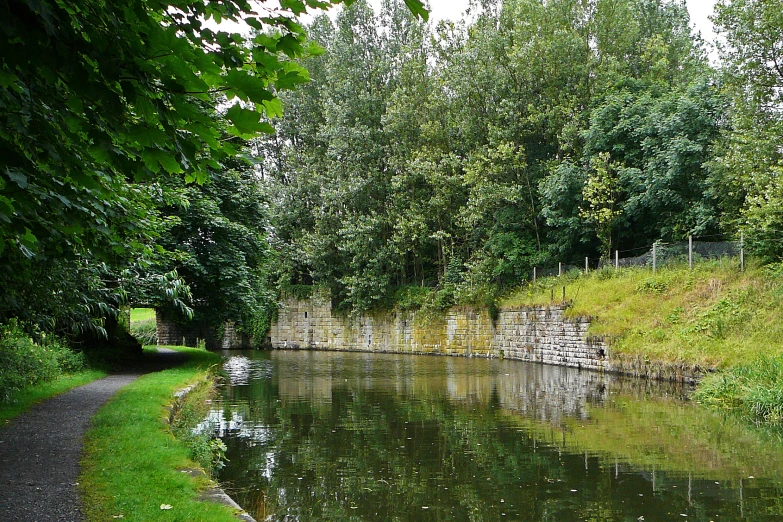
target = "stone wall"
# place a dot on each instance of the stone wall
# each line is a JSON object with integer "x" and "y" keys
{"x": 172, "y": 333}
{"x": 540, "y": 334}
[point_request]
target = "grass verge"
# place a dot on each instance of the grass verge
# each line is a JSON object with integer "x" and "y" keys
{"x": 139, "y": 315}
{"x": 755, "y": 389}
{"x": 22, "y": 400}
{"x": 711, "y": 317}
{"x": 132, "y": 462}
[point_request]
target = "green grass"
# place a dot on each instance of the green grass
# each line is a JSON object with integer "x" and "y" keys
{"x": 755, "y": 389}
{"x": 132, "y": 463}
{"x": 711, "y": 317}
{"x": 139, "y": 315}
{"x": 23, "y": 400}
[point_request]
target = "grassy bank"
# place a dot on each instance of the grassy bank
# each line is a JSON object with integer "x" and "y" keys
{"x": 22, "y": 400}
{"x": 132, "y": 462}
{"x": 713, "y": 317}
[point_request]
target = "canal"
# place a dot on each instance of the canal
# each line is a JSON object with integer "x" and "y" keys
{"x": 317, "y": 436}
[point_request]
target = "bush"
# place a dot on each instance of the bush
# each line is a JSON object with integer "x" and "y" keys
{"x": 24, "y": 363}
{"x": 146, "y": 332}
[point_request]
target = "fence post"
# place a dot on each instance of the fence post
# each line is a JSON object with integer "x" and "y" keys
{"x": 587, "y": 265}
{"x": 690, "y": 252}
{"x": 560, "y": 269}
{"x": 655, "y": 252}
{"x": 742, "y": 251}
{"x": 534, "y": 274}
{"x": 617, "y": 260}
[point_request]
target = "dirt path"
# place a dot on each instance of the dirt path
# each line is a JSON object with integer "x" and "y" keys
{"x": 40, "y": 451}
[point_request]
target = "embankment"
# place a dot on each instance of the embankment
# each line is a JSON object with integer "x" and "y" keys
{"x": 537, "y": 333}
{"x": 675, "y": 324}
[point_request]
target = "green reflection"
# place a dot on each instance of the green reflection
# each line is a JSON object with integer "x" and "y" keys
{"x": 321, "y": 436}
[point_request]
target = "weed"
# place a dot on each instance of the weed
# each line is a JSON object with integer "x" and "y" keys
{"x": 754, "y": 388}
{"x": 652, "y": 286}
{"x": 189, "y": 426}
{"x": 146, "y": 332}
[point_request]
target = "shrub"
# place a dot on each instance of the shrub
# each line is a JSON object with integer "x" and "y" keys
{"x": 146, "y": 332}
{"x": 22, "y": 362}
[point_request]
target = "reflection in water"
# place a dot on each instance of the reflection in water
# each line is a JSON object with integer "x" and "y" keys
{"x": 341, "y": 436}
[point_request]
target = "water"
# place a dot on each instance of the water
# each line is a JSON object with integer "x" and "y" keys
{"x": 316, "y": 436}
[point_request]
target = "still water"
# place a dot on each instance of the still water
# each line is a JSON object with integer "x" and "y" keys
{"x": 315, "y": 436}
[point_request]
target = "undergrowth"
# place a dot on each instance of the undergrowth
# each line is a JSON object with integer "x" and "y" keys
{"x": 189, "y": 426}
{"x": 754, "y": 389}
{"x": 25, "y": 363}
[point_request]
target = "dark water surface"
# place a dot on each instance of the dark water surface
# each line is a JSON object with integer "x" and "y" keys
{"x": 316, "y": 436}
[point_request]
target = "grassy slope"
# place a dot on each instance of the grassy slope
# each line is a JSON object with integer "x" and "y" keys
{"x": 131, "y": 459}
{"x": 25, "y": 399}
{"x": 139, "y": 315}
{"x": 711, "y": 317}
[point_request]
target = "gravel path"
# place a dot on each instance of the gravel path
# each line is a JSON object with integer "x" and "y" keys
{"x": 40, "y": 451}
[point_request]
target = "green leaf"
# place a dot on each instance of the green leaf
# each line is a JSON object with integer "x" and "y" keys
{"x": 17, "y": 176}
{"x": 273, "y": 108}
{"x": 146, "y": 109}
{"x": 247, "y": 87}
{"x": 168, "y": 162}
{"x": 417, "y": 8}
{"x": 248, "y": 122}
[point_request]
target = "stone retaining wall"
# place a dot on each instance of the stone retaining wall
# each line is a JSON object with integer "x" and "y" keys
{"x": 540, "y": 334}
{"x": 172, "y": 333}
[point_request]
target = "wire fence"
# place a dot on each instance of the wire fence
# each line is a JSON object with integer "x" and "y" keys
{"x": 654, "y": 256}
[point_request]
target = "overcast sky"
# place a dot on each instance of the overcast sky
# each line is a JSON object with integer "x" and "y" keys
{"x": 453, "y": 9}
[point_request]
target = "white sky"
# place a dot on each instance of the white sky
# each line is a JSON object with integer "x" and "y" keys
{"x": 453, "y": 9}
{"x": 699, "y": 11}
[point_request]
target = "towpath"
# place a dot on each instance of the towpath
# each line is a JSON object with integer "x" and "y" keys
{"x": 40, "y": 450}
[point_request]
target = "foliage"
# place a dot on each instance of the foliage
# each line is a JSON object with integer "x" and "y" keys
{"x": 109, "y": 109}
{"x": 752, "y": 389}
{"x": 600, "y": 194}
{"x": 748, "y": 160}
{"x": 219, "y": 247}
{"x": 146, "y": 332}
{"x": 25, "y": 363}
{"x": 188, "y": 425}
{"x": 458, "y": 157}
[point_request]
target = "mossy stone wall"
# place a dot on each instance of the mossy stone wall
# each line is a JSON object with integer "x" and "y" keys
{"x": 540, "y": 334}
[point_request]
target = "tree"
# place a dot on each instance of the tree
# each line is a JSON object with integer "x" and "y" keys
{"x": 748, "y": 163}
{"x": 106, "y": 103}
{"x": 601, "y": 200}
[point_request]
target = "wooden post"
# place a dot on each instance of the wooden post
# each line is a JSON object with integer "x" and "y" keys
{"x": 742, "y": 251}
{"x": 690, "y": 252}
{"x": 587, "y": 265}
{"x": 559, "y": 269}
{"x": 655, "y": 252}
{"x": 534, "y": 274}
{"x": 617, "y": 260}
